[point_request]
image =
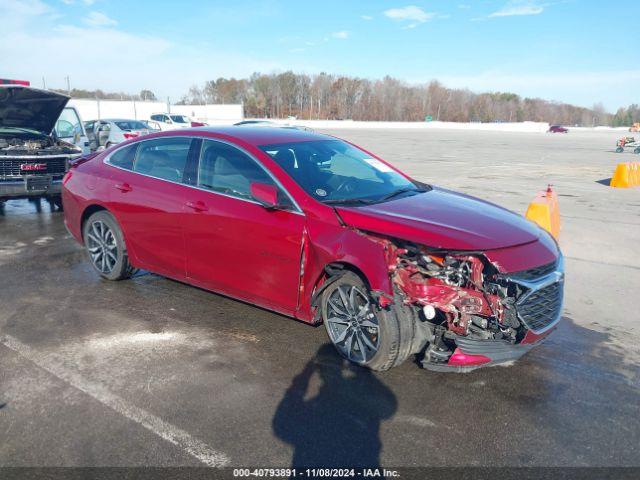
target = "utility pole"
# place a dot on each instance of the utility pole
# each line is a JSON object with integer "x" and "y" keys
{"x": 68, "y": 85}
{"x": 44, "y": 84}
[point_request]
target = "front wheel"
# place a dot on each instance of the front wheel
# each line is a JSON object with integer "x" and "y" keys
{"x": 105, "y": 246}
{"x": 362, "y": 333}
{"x": 636, "y": 150}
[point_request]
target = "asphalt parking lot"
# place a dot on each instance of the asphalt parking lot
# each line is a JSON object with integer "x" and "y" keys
{"x": 151, "y": 372}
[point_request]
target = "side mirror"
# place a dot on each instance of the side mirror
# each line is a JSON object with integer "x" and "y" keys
{"x": 266, "y": 194}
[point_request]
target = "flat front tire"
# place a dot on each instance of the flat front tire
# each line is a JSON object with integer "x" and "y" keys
{"x": 105, "y": 246}
{"x": 361, "y": 332}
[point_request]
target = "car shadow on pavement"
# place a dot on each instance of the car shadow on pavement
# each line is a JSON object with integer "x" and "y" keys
{"x": 333, "y": 419}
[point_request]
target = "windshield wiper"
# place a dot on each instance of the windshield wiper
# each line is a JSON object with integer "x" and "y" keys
{"x": 395, "y": 193}
{"x": 347, "y": 201}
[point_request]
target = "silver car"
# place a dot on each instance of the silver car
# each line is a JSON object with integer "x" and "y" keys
{"x": 108, "y": 132}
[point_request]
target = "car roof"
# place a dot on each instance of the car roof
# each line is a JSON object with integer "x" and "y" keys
{"x": 118, "y": 120}
{"x": 258, "y": 136}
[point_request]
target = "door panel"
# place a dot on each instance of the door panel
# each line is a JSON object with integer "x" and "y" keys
{"x": 149, "y": 211}
{"x": 242, "y": 249}
{"x": 149, "y": 201}
{"x": 235, "y": 245}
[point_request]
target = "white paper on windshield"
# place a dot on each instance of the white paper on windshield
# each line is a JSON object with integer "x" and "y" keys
{"x": 378, "y": 165}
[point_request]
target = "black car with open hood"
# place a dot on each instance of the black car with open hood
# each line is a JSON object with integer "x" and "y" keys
{"x": 32, "y": 160}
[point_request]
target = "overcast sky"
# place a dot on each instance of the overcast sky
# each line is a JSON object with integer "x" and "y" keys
{"x": 577, "y": 51}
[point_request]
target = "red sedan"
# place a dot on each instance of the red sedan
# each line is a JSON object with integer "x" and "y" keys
{"x": 321, "y": 230}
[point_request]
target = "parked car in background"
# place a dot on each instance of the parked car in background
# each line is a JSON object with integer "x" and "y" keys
{"x": 557, "y": 129}
{"x": 70, "y": 128}
{"x": 318, "y": 229}
{"x": 33, "y": 157}
{"x": 152, "y": 126}
{"x": 172, "y": 121}
{"x": 108, "y": 132}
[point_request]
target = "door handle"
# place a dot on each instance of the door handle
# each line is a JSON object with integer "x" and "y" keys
{"x": 197, "y": 206}
{"x": 123, "y": 187}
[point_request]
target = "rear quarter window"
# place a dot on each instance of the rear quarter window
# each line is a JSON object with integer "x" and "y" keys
{"x": 124, "y": 157}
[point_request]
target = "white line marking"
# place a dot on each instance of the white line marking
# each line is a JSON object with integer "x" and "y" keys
{"x": 55, "y": 366}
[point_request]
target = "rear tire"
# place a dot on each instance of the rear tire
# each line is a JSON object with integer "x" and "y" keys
{"x": 619, "y": 150}
{"x": 105, "y": 246}
{"x": 361, "y": 332}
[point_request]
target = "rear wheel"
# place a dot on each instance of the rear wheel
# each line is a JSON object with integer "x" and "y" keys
{"x": 362, "y": 333}
{"x": 105, "y": 246}
{"x": 619, "y": 150}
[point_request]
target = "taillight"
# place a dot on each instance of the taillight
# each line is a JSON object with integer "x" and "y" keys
{"x": 129, "y": 135}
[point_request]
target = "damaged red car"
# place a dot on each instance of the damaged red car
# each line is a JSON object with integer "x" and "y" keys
{"x": 319, "y": 229}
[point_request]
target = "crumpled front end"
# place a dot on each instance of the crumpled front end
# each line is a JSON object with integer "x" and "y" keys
{"x": 470, "y": 313}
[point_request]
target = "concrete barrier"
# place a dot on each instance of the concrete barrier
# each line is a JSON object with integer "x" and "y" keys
{"x": 627, "y": 175}
{"x": 545, "y": 211}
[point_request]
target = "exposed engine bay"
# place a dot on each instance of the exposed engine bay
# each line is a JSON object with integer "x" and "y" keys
{"x": 454, "y": 295}
{"x": 12, "y": 144}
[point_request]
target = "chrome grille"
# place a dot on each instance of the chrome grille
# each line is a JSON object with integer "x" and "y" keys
{"x": 540, "y": 308}
{"x": 10, "y": 167}
{"x": 539, "y": 303}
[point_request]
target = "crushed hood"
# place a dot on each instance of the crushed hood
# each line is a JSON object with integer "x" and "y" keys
{"x": 25, "y": 107}
{"x": 443, "y": 219}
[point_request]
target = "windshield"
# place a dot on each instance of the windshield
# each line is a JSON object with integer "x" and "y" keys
{"x": 131, "y": 125}
{"x": 179, "y": 119}
{"x": 332, "y": 171}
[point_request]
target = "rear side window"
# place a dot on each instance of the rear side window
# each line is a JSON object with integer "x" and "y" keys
{"x": 163, "y": 158}
{"x": 124, "y": 157}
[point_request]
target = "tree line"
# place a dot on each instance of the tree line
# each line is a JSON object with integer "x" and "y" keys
{"x": 325, "y": 96}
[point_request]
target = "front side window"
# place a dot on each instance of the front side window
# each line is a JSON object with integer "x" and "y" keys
{"x": 124, "y": 157}
{"x": 164, "y": 158}
{"x": 333, "y": 171}
{"x": 226, "y": 169}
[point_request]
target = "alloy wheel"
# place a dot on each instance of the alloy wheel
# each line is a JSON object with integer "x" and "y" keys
{"x": 102, "y": 247}
{"x": 352, "y": 324}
